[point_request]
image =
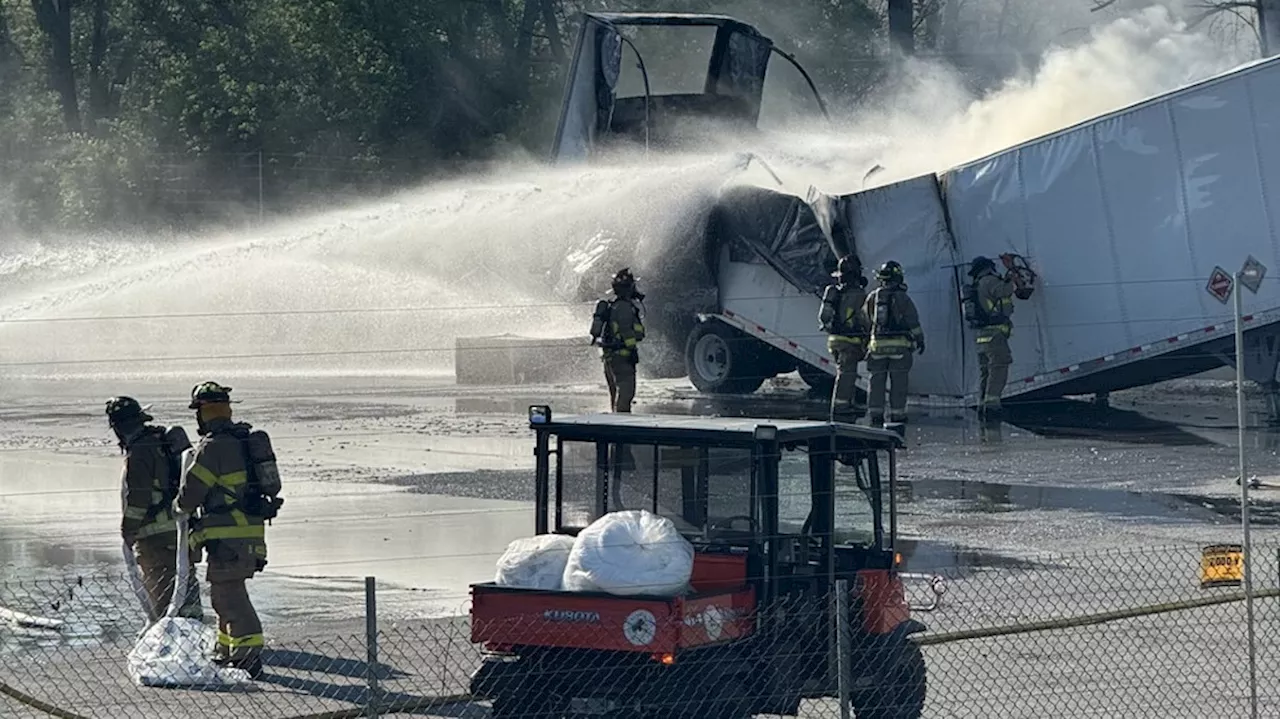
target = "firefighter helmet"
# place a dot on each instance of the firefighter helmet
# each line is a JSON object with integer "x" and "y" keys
{"x": 890, "y": 271}
{"x": 126, "y": 409}
{"x": 209, "y": 393}
{"x": 623, "y": 277}
{"x": 848, "y": 265}
{"x": 979, "y": 264}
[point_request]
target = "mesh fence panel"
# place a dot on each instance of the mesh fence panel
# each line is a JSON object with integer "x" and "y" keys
{"x": 1129, "y": 633}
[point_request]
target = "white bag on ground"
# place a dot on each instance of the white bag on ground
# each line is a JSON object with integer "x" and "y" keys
{"x": 630, "y": 553}
{"x": 534, "y": 562}
{"x": 175, "y": 651}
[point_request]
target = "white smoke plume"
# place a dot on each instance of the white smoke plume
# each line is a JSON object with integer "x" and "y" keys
{"x": 930, "y": 123}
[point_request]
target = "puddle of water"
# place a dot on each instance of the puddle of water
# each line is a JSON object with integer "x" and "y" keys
{"x": 992, "y": 497}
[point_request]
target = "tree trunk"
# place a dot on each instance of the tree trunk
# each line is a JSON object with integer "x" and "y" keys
{"x": 932, "y": 25}
{"x": 9, "y": 64}
{"x": 552, "y": 27}
{"x": 99, "y": 80}
{"x": 950, "y": 26}
{"x": 524, "y": 38}
{"x": 1269, "y": 27}
{"x": 901, "y": 26}
{"x": 54, "y": 18}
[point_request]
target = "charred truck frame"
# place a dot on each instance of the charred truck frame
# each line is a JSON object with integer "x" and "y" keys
{"x": 777, "y": 512}
{"x": 593, "y": 116}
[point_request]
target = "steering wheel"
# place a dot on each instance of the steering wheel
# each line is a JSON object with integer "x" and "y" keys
{"x": 727, "y": 523}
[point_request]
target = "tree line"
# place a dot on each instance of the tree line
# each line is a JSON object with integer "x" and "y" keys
{"x": 126, "y": 113}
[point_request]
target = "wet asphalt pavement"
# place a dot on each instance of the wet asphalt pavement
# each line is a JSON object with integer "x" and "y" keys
{"x": 422, "y": 483}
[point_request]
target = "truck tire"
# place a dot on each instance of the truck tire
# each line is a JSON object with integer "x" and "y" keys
{"x": 902, "y": 694}
{"x": 722, "y": 360}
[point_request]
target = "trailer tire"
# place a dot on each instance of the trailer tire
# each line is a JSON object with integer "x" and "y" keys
{"x": 902, "y": 694}
{"x": 722, "y": 360}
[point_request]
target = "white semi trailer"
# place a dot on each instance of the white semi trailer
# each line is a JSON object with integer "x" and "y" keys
{"x": 1131, "y": 220}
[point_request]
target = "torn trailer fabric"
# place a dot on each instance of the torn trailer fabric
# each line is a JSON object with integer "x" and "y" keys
{"x": 175, "y": 651}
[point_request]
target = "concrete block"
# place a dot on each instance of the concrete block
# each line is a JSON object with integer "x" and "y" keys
{"x": 511, "y": 359}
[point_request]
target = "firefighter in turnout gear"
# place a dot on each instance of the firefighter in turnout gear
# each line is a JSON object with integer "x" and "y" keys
{"x": 895, "y": 334}
{"x": 228, "y": 523}
{"x": 618, "y": 327}
{"x": 149, "y": 483}
{"x": 990, "y": 316}
{"x": 843, "y": 319}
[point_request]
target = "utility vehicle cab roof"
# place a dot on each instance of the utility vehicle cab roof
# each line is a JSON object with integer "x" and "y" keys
{"x": 723, "y": 430}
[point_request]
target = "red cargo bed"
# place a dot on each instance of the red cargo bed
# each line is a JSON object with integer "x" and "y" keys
{"x": 720, "y": 609}
{"x": 504, "y": 617}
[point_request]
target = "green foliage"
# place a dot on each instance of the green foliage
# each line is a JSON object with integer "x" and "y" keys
{"x": 126, "y": 112}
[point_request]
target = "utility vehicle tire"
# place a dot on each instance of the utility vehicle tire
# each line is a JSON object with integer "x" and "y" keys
{"x": 820, "y": 382}
{"x": 726, "y": 700}
{"x": 523, "y": 706}
{"x": 902, "y": 694}
{"x": 722, "y": 360}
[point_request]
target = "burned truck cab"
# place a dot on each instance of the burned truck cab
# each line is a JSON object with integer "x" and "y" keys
{"x": 600, "y": 116}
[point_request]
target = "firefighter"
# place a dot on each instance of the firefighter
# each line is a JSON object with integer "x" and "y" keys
{"x": 150, "y": 480}
{"x": 993, "y": 300}
{"x": 842, "y": 318}
{"x": 233, "y": 537}
{"x": 618, "y": 327}
{"x": 895, "y": 334}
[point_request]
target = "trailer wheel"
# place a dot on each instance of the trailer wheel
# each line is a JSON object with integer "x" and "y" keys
{"x": 901, "y": 696}
{"x": 722, "y": 360}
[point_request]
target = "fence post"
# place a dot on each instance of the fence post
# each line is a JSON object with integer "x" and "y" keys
{"x": 1244, "y": 499}
{"x": 844, "y": 647}
{"x": 371, "y": 644}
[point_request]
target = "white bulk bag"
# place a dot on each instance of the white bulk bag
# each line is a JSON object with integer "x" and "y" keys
{"x": 630, "y": 553}
{"x": 534, "y": 562}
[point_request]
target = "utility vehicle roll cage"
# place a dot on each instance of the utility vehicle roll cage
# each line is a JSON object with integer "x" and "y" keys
{"x": 818, "y": 549}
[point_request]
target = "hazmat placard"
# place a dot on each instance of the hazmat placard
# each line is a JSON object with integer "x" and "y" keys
{"x": 1252, "y": 273}
{"x": 1220, "y": 285}
{"x": 1221, "y": 565}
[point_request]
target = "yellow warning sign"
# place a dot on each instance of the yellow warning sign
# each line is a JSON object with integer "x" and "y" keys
{"x": 1221, "y": 565}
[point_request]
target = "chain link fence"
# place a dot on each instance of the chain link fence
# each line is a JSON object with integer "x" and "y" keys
{"x": 1130, "y": 632}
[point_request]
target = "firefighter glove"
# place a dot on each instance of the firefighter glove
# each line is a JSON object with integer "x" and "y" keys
{"x": 920, "y": 346}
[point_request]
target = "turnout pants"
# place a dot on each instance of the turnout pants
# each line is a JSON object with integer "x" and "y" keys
{"x": 891, "y": 370}
{"x": 157, "y": 561}
{"x": 240, "y": 639}
{"x": 620, "y": 373}
{"x": 994, "y": 358}
{"x": 844, "y": 396}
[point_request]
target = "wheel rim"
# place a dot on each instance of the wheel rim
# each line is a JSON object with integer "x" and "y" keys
{"x": 711, "y": 358}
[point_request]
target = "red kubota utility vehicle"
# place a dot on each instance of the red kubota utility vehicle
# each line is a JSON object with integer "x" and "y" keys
{"x": 777, "y": 512}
